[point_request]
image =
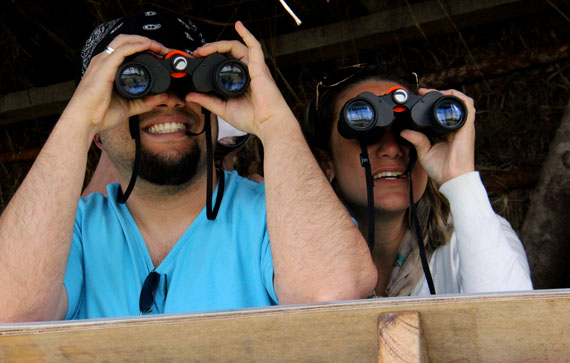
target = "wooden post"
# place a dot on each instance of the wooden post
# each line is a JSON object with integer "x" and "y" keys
{"x": 400, "y": 338}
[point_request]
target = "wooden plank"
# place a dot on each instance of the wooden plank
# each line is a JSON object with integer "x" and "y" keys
{"x": 35, "y": 102}
{"x": 398, "y": 24}
{"x": 23, "y": 155}
{"x": 515, "y": 327}
{"x": 375, "y": 6}
{"x": 400, "y": 338}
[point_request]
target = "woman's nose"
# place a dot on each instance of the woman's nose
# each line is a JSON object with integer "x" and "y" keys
{"x": 389, "y": 146}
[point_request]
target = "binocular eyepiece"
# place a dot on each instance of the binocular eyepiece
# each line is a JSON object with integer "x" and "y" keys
{"x": 433, "y": 113}
{"x": 145, "y": 74}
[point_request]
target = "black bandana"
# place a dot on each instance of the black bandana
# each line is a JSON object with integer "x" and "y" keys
{"x": 173, "y": 31}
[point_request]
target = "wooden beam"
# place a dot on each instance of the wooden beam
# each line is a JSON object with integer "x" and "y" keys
{"x": 374, "y": 6}
{"x": 23, "y": 155}
{"x": 531, "y": 327}
{"x": 385, "y": 27}
{"x": 35, "y": 103}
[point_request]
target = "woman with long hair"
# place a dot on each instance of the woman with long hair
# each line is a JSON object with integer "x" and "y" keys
{"x": 466, "y": 246}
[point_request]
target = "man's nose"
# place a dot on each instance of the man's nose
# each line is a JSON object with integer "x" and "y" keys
{"x": 172, "y": 100}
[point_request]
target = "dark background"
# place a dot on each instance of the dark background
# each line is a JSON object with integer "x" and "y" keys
{"x": 511, "y": 57}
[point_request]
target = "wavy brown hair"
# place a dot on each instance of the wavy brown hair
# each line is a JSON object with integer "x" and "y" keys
{"x": 433, "y": 208}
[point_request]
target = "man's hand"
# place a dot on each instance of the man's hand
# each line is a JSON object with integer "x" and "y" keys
{"x": 262, "y": 101}
{"x": 94, "y": 98}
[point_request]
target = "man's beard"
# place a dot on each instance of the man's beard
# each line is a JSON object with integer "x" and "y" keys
{"x": 169, "y": 171}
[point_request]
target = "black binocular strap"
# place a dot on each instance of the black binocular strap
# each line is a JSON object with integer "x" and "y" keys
{"x": 365, "y": 162}
{"x": 136, "y": 135}
{"x": 417, "y": 227}
{"x": 134, "y": 129}
{"x": 212, "y": 213}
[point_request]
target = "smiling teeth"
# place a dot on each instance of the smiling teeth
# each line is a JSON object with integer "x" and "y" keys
{"x": 389, "y": 174}
{"x": 166, "y": 128}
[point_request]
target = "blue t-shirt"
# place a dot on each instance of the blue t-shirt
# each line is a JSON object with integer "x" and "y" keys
{"x": 221, "y": 264}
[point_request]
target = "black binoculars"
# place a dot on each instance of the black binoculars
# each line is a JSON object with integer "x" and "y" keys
{"x": 432, "y": 114}
{"x": 146, "y": 74}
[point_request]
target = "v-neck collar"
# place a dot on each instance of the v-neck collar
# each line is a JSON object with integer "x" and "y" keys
{"x": 136, "y": 240}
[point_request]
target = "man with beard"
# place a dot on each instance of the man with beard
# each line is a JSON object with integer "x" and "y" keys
{"x": 66, "y": 257}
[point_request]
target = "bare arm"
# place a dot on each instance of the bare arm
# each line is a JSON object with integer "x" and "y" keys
{"x": 318, "y": 253}
{"x": 36, "y": 227}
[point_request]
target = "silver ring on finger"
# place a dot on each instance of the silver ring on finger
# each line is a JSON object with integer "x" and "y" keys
{"x": 109, "y": 50}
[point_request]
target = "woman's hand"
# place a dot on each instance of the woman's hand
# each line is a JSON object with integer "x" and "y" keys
{"x": 261, "y": 102}
{"x": 455, "y": 155}
{"x": 94, "y": 98}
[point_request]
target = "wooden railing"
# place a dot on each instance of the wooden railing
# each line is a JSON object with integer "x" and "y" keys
{"x": 517, "y": 327}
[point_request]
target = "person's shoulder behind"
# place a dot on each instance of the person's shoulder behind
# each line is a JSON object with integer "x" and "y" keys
{"x": 96, "y": 202}
{"x": 241, "y": 187}
{"x": 243, "y": 199}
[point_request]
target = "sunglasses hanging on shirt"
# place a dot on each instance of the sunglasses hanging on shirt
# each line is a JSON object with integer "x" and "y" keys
{"x": 148, "y": 292}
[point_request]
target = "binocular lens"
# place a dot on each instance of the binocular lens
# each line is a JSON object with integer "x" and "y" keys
{"x": 134, "y": 80}
{"x": 359, "y": 114}
{"x": 232, "y": 78}
{"x": 449, "y": 113}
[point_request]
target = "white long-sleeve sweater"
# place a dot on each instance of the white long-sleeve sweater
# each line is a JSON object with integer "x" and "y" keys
{"x": 484, "y": 253}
